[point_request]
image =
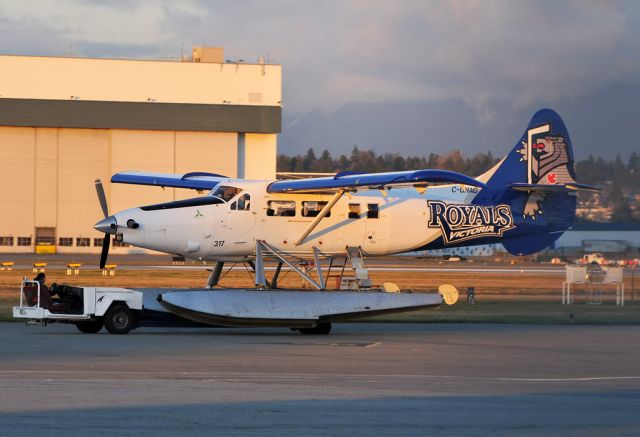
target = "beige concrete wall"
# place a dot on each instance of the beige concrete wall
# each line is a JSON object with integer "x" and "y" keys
{"x": 260, "y": 156}
{"x": 48, "y": 174}
{"x": 32, "y": 77}
{"x": 83, "y": 156}
{"x": 17, "y": 183}
{"x": 139, "y": 151}
{"x": 46, "y": 178}
{"x": 205, "y": 151}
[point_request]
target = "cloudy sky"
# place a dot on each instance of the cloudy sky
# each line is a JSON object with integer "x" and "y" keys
{"x": 356, "y": 51}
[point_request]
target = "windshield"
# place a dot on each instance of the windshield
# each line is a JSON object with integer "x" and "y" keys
{"x": 225, "y": 192}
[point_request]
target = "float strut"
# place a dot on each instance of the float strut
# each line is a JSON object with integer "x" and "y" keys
{"x": 214, "y": 277}
{"x": 276, "y": 275}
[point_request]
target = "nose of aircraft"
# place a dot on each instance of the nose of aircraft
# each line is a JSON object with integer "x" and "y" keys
{"x": 107, "y": 225}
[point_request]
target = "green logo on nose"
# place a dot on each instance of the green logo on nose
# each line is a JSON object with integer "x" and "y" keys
{"x": 198, "y": 214}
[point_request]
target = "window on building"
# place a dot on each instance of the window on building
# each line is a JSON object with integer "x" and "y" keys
{"x": 117, "y": 243}
{"x": 312, "y": 209}
{"x": 97, "y": 242}
{"x": 373, "y": 210}
{"x": 24, "y": 241}
{"x": 242, "y": 204}
{"x": 65, "y": 241}
{"x": 6, "y": 241}
{"x": 354, "y": 210}
{"x": 226, "y": 192}
{"x": 286, "y": 208}
{"x": 83, "y": 242}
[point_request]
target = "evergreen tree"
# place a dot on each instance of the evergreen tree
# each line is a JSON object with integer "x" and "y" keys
{"x": 309, "y": 160}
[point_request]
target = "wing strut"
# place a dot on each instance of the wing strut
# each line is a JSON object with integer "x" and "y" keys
{"x": 320, "y": 216}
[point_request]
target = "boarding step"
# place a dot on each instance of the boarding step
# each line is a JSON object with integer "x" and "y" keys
{"x": 360, "y": 271}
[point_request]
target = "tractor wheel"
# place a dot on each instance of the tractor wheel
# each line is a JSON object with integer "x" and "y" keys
{"x": 119, "y": 319}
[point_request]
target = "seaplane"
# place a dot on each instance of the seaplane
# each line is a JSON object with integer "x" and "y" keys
{"x": 526, "y": 201}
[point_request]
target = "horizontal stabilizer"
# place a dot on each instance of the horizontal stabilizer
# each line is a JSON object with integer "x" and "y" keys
{"x": 349, "y": 180}
{"x": 549, "y": 187}
{"x": 193, "y": 180}
{"x": 529, "y": 244}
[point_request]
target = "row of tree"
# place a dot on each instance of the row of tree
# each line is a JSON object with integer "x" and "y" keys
{"x": 369, "y": 161}
{"x": 620, "y": 180}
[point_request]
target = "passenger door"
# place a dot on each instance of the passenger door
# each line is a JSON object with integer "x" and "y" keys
{"x": 241, "y": 217}
{"x": 376, "y": 228}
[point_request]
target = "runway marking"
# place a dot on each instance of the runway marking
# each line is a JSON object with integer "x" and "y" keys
{"x": 355, "y": 344}
{"x": 588, "y": 378}
{"x": 220, "y": 376}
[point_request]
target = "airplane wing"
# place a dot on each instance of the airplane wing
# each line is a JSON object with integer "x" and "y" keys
{"x": 352, "y": 180}
{"x": 194, "y": 180}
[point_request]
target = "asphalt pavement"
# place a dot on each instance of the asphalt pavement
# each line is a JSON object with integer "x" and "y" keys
{"x": 363, "y": 379}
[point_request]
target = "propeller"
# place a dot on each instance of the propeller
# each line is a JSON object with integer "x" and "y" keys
{"x": 102, "y": 198}
{"x": 106, "y": 241}
{"x": 105, "y": 250}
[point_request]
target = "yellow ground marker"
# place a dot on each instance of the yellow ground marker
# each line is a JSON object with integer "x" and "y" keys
{"x": 39, "y": 267}
{"x": 109, "y": 269}
{"x": 73, "y": 269}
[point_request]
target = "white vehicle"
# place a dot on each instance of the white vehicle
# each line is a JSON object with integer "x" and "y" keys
{"x": 593, "y": 258}
{"x": 89, "y": 308}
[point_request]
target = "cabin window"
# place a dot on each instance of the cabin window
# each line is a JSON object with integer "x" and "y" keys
{"x": 354, "y": 210}
{"x": 242, "y": 204}
{"x": 284, "y": 208}
{"x": 226, "y": 192}
{"x": 372, "y": 210}
{"x": 312, "y": 208}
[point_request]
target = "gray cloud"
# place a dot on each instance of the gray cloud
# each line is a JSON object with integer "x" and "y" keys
{"x": 336, "y": 52}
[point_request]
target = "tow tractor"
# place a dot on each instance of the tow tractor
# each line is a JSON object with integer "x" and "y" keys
{"x": 89, "y": 308}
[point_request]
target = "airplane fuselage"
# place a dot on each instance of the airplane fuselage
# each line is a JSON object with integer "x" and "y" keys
{"x": 379, "y": 221}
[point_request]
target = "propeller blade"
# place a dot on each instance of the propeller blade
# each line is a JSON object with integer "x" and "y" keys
{"x": 105, "y": 250}
{"x": 102, "y": 198}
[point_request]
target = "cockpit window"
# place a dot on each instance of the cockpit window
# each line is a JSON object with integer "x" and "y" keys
{"x": 226, "y": 192}
{"x": 242, "y": 204}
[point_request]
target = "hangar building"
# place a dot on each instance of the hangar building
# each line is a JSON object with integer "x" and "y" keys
{"x": 66, "y": 121}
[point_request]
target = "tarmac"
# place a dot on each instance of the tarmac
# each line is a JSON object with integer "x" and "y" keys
{"x": 363, "y": 379}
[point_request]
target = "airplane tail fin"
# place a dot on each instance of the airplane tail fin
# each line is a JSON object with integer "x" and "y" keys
{"x": 537, "y": 181}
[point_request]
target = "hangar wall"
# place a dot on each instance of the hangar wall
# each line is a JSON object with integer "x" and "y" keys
{"x": 90, "y": 118}
{"x": 49, "y": 174}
